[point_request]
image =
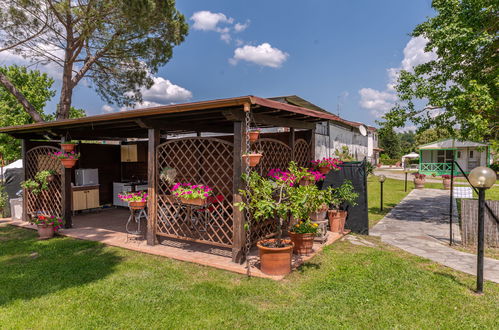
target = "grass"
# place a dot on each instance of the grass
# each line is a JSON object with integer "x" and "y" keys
{"x": 67, "y": 283}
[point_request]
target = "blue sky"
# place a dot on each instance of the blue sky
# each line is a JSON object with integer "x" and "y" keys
{"x": 323, "y": 51}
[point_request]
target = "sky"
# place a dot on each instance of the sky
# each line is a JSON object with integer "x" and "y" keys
{"x": 336, "y": 54}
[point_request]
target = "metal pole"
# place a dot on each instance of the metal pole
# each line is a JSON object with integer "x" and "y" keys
{"x": 405, "y": 188}
{"x": 451, "y": 237}
{"x": 479, "y": 270}
{"x": 381, "y": 200}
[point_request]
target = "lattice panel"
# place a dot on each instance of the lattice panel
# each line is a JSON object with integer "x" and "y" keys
{"x": 200, "y": 160}
{"x": 276, "y": 154}
{"x": 302, "y": 153}
{"x": 48, "y": 202}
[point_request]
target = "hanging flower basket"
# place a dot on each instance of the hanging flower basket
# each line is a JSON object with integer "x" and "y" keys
{"x": 68, "y": 159}
{"x": 252, "y": 159}
{"x": 254, "y": 135}
{"x": 68, "y": 163}
{"x": 68, "y": 147}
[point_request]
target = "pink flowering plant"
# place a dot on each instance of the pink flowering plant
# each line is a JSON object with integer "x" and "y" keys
{"x": 281, "y": 176}
{"x": 65, "y": 155}
{"x": 48, "y": 221}
{"x": 191, "y": 191}
{"x": 446, "y": 176}
{"x": 331, "y": 163}
{"x": 420, "y": 176}
{"x": 138, "y": 196}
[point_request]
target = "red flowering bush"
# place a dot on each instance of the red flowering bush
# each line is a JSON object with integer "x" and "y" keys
{"x": 419, "y": 176}
{"x": 48, "y": 221}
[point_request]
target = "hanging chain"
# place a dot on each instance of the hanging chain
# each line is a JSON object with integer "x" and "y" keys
{"x": 247, "y": 123}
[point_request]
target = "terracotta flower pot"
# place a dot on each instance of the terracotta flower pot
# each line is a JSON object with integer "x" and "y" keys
{"x": 137, "y": 205}
{"x": 303, "y": 243}
{"x": 324, "y": 170}
{"x": 275, "y": 261}
{"x": 253, "y": 135}
{"x": 337, "y": 219}
{"x": 419, "y": 183}
{"x": 252, "y": 159}
{"x": 45, "y": 232}
{"x": 306, "y": 182}
{"x": 195, "y": 201}
{"x": 446, "y": 183}
{"x": 68, "y": 147}
{"x": 69, "y": 163}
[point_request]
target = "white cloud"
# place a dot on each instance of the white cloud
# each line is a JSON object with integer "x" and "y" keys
{"x": 405, "y": 129}
{"x": 107, "y": 108}
{"x": 207, "y": 21}
{"x": 240, "y": 27}
{"x": 376, "y": 101}
{"x": 263, "y": 54}
{"x": 54, "y": 70}
{"x": 164, "y": 91}
{"x": 379, "y": 102}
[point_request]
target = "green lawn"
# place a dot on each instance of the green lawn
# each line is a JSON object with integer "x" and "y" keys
{"x": 67, "y": 283}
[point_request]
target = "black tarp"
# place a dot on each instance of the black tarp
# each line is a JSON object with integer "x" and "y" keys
{"x": 357, "y": 219}
{"x": 13, "y": 178}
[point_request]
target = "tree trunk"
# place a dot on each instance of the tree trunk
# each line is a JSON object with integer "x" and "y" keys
{"x": 30, "y": 109}
{"x": 67, "y": 73}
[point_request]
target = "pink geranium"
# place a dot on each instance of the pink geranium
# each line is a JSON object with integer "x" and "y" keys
{"x": 191, "y": 191}
{"x": 329, "y": 162}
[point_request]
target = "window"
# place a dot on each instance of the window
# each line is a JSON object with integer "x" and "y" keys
{"x": 471, "y": 154}
{"x": 459, "y": 154}
{"x": 440, "y": 156}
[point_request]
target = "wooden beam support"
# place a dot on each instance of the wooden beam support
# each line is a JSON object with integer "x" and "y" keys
{"x": 291, "y": 136}
{"x": 238, "y": 115}
{"x": 24, "y": 150}
{"x": 238, "y": 232}
{"x": 152, "y": 200}
{"x": 67, "y": 195}
{"x": 312, "y": 144}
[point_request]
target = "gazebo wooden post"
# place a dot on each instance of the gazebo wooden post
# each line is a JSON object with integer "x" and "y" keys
{"x": 291, "y": 143}
{"x": 312, "y": 144}
{"x": 152, "y": 200}
{"x": 238, "y": 232}
{"x": 24, "y": 150}
{"x": 66, "y": 195}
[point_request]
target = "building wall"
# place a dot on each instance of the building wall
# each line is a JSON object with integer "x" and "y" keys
{"x": 330, "y": 137}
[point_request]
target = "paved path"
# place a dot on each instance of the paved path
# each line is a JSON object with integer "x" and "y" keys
{"x": 400, "y": 175}
{"x": 420, "y": 225}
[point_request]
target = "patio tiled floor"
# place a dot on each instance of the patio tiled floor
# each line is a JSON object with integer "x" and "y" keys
{"x": 108, "y": 227}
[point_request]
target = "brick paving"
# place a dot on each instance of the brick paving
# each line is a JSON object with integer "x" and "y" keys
{"x": 420, "y": 225}
{"x": 108, "y": 227}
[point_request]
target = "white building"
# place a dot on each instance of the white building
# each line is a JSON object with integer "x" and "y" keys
{"x": 331, "y": 136}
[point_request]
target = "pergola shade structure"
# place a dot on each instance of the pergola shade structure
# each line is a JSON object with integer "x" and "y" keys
{"x": 210, "y": 160}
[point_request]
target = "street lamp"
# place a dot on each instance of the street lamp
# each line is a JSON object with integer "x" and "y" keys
{"x": 381, "y": 179}
{"x": 406, "y": 171}
{"x": 481, "y": 178}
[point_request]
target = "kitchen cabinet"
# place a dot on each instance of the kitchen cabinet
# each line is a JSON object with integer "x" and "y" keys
{"x": 85, "y": 197}
{"x": 129, "y": 153}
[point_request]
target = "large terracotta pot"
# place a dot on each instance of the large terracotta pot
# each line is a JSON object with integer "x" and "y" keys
{"x": 137, "y": 205}
{"x": 324, "y": 170}
{"x": 69, "y": 163}
{"x": 68, "y": 147}
{"x": 45, "y": 232}
{"x": 419, "y": 183}
{"x": 195, "y": 201}
{"x": 446, "y": 183}
{"x": 303, "y": 243}
{"x": 252, "y": 159}
{"x": 253, "y": 135}
{"x": 275, "y": 261}
{"x": 337, "y": 219}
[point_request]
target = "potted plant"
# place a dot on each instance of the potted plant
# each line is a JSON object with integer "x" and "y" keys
{"x": 419, "y": 180}
{"x": 136, "y": 200}
{"x": 47, "y": 226}
{"x": 254, "y": 134}
{"x": 68, "y": 146}
{"x": 325, "y": 165}
{"x": 343, "y": 196}
{"x": 302, "y": 235}
{"x": 265, "y": 199}
{"x": 252, "y": 158}
{"x": 193, "y": 194}
{"x": 39, "y": 183}
{"x": 68, "y": 159}
{"x": 446, "y": 180}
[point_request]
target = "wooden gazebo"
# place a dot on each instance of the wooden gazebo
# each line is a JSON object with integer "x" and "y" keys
{"x": 176, "y": 137}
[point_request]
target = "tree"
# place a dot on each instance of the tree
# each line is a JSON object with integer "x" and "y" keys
{"x": 407, "y": 142}
{"x": 390, "y": 142}
{"x": 115, "y": 44}
{"x": 431, "y": 135}
{"x": 37, "y": 89}
{"x": 459, "y": 89}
